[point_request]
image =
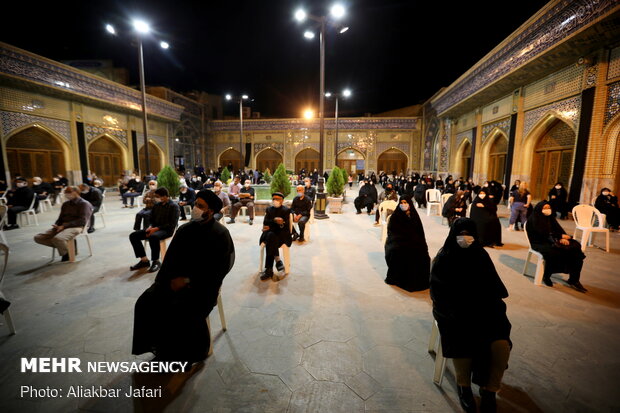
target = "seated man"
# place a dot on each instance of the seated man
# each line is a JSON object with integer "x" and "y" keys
{"x": 246, "y": 199}
{"x": 74, "y": 215}
{"x": 233, "y": 190}
{"x": 42, "y": 189}
{"x": 276, "y": 232}
{"x": 93, "y": 196}
{"x": 364, "y": 199}
{"x": 300, "y": 208}
{"x": 170, "y": 316}
{"x": 143, "y": 216}
{"x": 134, "y": 189}
{"x": 18, "y": 201}
{"x": 309, "y": 190}
{"x": 389, "y": 194}
{"x": 99, "y": 185}
{"x": 164, "y": 219}
{"x": 187, "y": 196}
{"x": 217, "y": 188}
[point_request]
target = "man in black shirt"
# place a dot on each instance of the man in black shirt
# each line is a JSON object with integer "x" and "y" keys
{"x": 18, "y": 201}
{"x": 309, "y": 190}
{"x": 163, "y": 221}
{"x": 246, "y": 199}
{"x": 300, "y": 208}
{"x": 135, "y": 188}
{"x": 92, "y": 195}
{"x": 187, "y": 196}
{"x": 276, "y": 232}
{"x": 42, "y": 189}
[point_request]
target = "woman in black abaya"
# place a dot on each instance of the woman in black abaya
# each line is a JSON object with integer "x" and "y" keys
{"x": 607, "y": 203}
{"x": 557, "y": 199}
{"x": 561, "y": 252}
{"x": 406, "y": 252}
{"x": 484, "y": 214}
{"x": 468, "y": 305}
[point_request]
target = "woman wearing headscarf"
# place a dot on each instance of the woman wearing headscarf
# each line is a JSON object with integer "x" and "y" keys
{"x": 420, "y": 194}
{"x": 484, "y": 214}
{"x": 519, "y": 201}
{"x": 455, "y": 207}
{"x": 561, "y": 253}
{"x": 471, "y": 314}
{"x": 557, "y": 200}
{"x": 406, "y": 252}
{"x": 449, "y": 188}
{"x": 607, "y": 204}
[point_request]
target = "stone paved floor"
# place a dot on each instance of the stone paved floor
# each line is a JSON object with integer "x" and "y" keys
{"x": 331, "y": 337}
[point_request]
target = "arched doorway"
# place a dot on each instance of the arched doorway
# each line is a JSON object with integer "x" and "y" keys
{"x": 154, "y": 159}
{"x": 231, "y": 156}
{"x": 352, "y": 161}
{"x": 497, "y": 159}
{"x": 465, "y": 160}
{"x": 553, "y": 159}
{"x": 392, "y": 160}
{"x": 35, "y": 152}
{"x": 268, "y": 158}
{"x": 307, "y": 158}
{"x": 104, "y": 159}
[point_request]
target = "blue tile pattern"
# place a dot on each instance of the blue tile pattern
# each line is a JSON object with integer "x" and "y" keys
{"x": 469, "y": 135}
{"x": 567, "y": 109}
{"x": 16, "y": 120}
{"x": 503, "y": 125}
{"x": 560, "y": 22}
{"x": 275, "y": 146}
{"x": 291, "y": 124}
{"x": 613, "y": 101}
{"x": 93, "y": 131}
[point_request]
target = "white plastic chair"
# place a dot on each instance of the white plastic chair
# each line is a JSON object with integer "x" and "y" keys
{"x": 220, "y": 308}
{"x": 384, "y": 232}
{"x": 308, "y": 225}
{"x": 604, "y": 223}
{"x": 27, "y": 213}
{"x": 71, "y": 244}
{"x": 383, "y": 217}
{"x": 7, "y": 314}
{"x": 444, "y": 199}
{"x": 163, "y": 246}
{"x": 434, "y": 347}
{"x": 433, "y": 199}
{"x": 286, "y": 253}
{"x": 43, "y": 202}
{"x": 584, "y": 216}
{"x": 3, "y": 221}
{"x": 540, "y": 266}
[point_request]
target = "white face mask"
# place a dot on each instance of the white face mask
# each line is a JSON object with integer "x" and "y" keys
{"x": 464, "y": 241}
{"x": 84, "y": 192}
{"x": 21, "y": 184}
{"x": 482, "y": 196}
{"x": 558, "y": 187}
{"x": 70, "y": 196}
{"x": 605, "y": 193}
{"x": 404, "y": 207}
{"x": 153, "y": 186}
{"x": 277, "y": 204}
{"x": 157, "y": 200}
{"x": 197, "y": 214}
{"x": 247, "y": 185}
{"x": 546, "y": 212}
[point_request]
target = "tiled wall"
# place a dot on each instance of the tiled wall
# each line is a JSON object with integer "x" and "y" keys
{"x": 564, "y": 83}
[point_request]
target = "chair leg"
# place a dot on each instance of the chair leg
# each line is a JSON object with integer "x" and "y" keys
{"x": 220, "y": 309}
{"x": 440, "y": 366}
{"x": 9, "y": 321}
{"x": 287, "y": 259}
{"x": 607, "y": 242}
{"x": 540, "y": 271}
{"x": 71, "y": 250}
{"x": 262, "y": 257}
{"x": 90, "y": 247}
{"x": 527, "y": 261}
{"x": 210, "y": 336}
{"x": 433, "y": 340}
{"x": 584, "y": 239}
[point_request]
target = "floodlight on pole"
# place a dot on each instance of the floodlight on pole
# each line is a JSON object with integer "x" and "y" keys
{"x": 328, "y": 94}
{"x": 308, "y": 34}
{"x": 300, "y": 15}
{"x": 164, "y": 45}
{"x": 308, "y": 114}
{"x": 228, "y": 97}
{"x": 141, "y": 26}
{"x": 344, "y": 29}
{"x": 244, "y": 97}
{"x": 346, "y": 93}
{"x": 110, "y": 29}
{"x": 337, "y": 11}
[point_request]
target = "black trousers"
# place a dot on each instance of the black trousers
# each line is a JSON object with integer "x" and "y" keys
{"x": 272, "y": 244}
{"x": 137, "y": 237}
{"x": 13, "y": 211}
{"x": 302, "y": 225}
{"x": 143, "y": 219}
{"x": 92, "y": 216}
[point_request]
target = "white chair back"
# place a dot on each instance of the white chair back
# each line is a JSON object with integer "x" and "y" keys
{"x": 385, "y": 206}
{"x": 433, "y": 195}
{"x": 444, "y": 199}
{"x": 584, "y": 216}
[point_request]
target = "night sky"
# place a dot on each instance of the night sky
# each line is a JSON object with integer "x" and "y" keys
{"x": 396, "y": 53}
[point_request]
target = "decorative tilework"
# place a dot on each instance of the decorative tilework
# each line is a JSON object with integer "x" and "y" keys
{"x": 560, "y": 22}
{"x": 275, "y": 146}
{"x": 590, "y": 76}
{"x": 503, "y": 125}
{"x": 221, "y": 147}
{"x": 384, "y": 146}
{"x": 354, "y": 145}
{"x": 93, "y": 131}
{"x": 313, "y": 145}
{"x": 292, "y": 124}
{"x": 443, "y": 155}
{"x": 18, "y": 63}
{"x": 15, "y": 120}
{"x": 567, "y": 110}
{"x": 613, "y": 101}
{"x": 160, "y": 140}
{"x": 465, "y": 135}
{"x": 614, "y": 63}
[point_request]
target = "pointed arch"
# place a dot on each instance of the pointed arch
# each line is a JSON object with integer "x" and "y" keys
{"x": 229, "y": 155}
{"x": 350, "y": 163}
{"x": 157, "y": 158}
{"x": 392, "y": 159}
{"x": 493, "y": 164}
{"x": 308, "y": 159}
{"x": 106, "y": 157}
{"x": 462, "y": 162}
{"x": 268, "y": 158}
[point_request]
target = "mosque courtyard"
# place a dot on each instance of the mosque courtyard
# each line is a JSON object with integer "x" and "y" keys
{"x": 330, "y": 337}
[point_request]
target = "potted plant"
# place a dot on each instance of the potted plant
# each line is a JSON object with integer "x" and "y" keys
{"x": 267, "y": 176}
{"x": 335, "y": 186}
{"x": 225, "y": 176}
{"x": 345, "y": 179}
{"x": 280, "y": 181}
{"x": 169, "y": 179}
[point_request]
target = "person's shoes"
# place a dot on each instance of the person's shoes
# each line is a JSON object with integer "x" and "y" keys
{"x": 140, "y": 264}
{"x": 499, "y": 245}
{"x": 295, "y": 236}
{"x": 251, "y": 222}
{"x": 358, "y": 212}
{"x": 280, "y": 265}
{"x": 10, "y": 227}
{"x": 577, "y": 286}
{"x": 466, "y": 397}
{"x": 301, "y": 239}
{"x": 155, "y": 267}
{"x": 183, "y": 219}
{"x": 90, "y": 230}
{"x": 510, "y": 228}
{"x": 547, "y": 281}
{"x": 64, "y": 258}
{"x": 230, "y": 221}
{"x": 266, "y": 274}
{"x": 376, "y": 224}
{"x": 488, "y": 404}
{"x": 125, "y": 206}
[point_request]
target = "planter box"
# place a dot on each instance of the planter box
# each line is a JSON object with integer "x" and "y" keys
{"x": 334, "y": 205}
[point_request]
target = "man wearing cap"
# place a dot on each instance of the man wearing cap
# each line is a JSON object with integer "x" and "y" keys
{"x": 276, "y": 232}
{"x": 163, "y": 220}
{"x": 18, "y": 201}
{"x": 170, "y": 316}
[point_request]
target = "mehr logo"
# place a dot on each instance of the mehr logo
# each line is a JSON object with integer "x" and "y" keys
{"x": 51, "y": 365}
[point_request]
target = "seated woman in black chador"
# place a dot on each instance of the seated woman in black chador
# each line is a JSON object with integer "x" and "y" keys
{"x": 406, "y": 252}
{"x": 468, "y": 305}
{"x": 561, "y": 253}
{"x": 558, "y": 200}
{"x": 607, "y": 204}
{"x": 455, "y": 207}
{"x": 484, "y": 214}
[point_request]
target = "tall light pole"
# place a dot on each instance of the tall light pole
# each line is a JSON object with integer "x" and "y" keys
{"x": 141, "y": 28}
{"x": 345, "y": 94}
{"x": 240, "y": 99}
{"x": 337, "y": 12}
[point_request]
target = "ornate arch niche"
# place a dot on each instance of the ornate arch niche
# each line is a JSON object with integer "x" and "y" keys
{"x": 35, "y": 150}
{"x": 106, "y": 158}
{"x": 348, "y": 159}
{"x": 493, "y": 155}
{"x": 392, "y": 159}
{"x": 156, "y": 158}
{"x": 463, "y": 159}
{"x": 228, "y": 156}
{"x": 307, "y": 159}
{"x": 268, "y": 158}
